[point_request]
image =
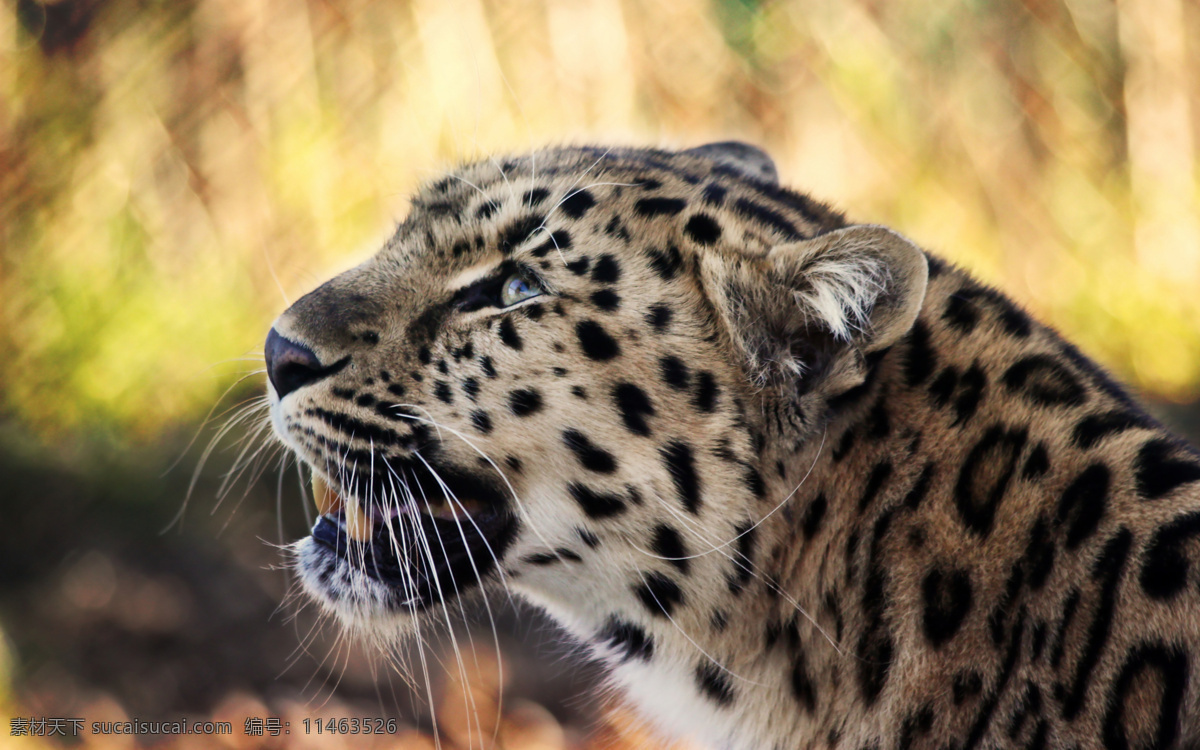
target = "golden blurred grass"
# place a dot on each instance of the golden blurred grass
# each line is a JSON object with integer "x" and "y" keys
{"x": 172, "y": 172}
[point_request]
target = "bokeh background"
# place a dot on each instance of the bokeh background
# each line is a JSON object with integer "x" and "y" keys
{"x": 172, "y": 172}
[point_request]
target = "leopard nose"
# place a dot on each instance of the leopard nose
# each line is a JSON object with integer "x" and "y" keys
{"x": 291, "y": 366}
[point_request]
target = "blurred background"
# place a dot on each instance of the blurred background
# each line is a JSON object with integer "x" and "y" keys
{"x": 173, "y": 172}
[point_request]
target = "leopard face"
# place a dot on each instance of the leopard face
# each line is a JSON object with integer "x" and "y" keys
{"x": 795, "y": 481}
{"x": 524, "y": 377}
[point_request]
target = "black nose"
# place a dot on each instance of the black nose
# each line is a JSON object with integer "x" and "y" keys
{"x": 291, "y": 366}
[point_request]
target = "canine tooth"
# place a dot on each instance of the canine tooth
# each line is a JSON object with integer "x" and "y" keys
{"x": 359, "y": 524}
{"x": 326, "y": 498}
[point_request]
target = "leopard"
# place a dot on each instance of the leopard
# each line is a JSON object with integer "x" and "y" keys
{"x": 794, "y": 482}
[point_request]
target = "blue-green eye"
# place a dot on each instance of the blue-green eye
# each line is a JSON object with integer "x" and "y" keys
{"x": 516, "y": 289}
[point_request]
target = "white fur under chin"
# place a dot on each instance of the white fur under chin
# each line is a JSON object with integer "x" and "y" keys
{"x": 354, "y": 598}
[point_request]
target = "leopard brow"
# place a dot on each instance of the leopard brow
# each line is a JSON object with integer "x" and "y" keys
{"x": 471, "y": 276}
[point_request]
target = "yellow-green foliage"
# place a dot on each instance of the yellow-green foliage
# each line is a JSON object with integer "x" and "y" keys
{"x": 170, "y": 170}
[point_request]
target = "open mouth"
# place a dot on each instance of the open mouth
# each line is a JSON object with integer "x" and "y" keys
{"x": 426, "y": 533}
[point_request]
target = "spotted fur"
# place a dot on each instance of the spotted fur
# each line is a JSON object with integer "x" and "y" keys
{"x": 798, "y": 483}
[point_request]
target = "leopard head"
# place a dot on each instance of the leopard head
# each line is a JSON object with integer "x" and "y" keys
{"x": 568, "y": 373}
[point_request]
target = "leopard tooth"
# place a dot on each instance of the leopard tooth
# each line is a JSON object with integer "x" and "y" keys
{"x": 326, "y": 498}
{"x": 359, "y": 524}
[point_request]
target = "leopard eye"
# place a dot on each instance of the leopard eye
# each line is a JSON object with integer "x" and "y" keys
{"x": 517, "y": 288}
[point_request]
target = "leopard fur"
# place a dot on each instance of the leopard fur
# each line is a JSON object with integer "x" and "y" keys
{"x": 798, "y": 483}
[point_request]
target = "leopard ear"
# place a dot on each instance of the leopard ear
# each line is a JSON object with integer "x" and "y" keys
{"x": 813, "y": 310}
{"x": 742, "y": 158}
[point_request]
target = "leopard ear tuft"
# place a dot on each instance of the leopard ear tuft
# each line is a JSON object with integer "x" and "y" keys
{"x": 748, "y": 161}
{"x": 813, "y": 309}
{"x": 865, "y": 283}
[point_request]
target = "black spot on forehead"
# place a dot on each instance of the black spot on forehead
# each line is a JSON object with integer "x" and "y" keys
{"x": 714, "y": 194}
{"x": 607, "y": 270}
{"x": 487, "y": 210}
{"x": 579, "y": 266}
{"x": 768, "y": 216}
{"x": 651, "y": 207}
{"x": 577, "y": 203}
{"x": 559, "y": 240}
{"x": 518, "y": 231}
{"x": 534, "y": 197}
